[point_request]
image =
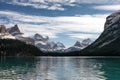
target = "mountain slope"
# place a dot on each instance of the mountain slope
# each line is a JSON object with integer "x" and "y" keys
{"x": 10, "y": 47}
{"x": 78, "y": 46}
{"x": 109, "y": 41}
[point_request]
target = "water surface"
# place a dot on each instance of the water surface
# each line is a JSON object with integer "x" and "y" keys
{"x": 59, "y": 68}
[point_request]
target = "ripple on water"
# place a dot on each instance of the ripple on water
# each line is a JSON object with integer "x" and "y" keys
{"x": 59, "y": 68}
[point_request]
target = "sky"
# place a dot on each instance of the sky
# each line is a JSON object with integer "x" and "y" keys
{"x": 65, "y": 21}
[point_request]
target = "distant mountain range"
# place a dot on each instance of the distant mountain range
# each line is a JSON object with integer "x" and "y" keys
{"x": 41, "y": 42}
{"x": 78, "y": 46}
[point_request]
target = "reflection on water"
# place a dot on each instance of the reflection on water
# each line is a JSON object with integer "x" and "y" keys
{"x": 59, "y": 68}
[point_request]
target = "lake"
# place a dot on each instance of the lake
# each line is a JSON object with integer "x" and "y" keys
{"x": 59, "y": 68}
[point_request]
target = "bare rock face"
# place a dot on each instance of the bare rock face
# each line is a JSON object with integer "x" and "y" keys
{"x": 113, "y": 21}
{"x": 111, "y": 30}
{"x": 14, "y": 30}
{"x": 39, "y": 37}
{"x": 86, "y": 42}
{"x": 78, "y": 44}
{"x": 58, "y": 45}
{"x": 109, "y": 41}
{"x": 3, "y": 29}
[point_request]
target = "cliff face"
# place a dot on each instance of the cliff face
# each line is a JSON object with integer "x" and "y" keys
{"x": 3, "y": 29}
{"x": 14, "y": 30}
{"x": 109, "y": 41}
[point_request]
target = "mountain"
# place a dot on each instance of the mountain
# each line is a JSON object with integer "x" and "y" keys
{"x": 4, "y": 34}
{"x": 58, "y": 45}
{"x": 109, "y": 41}
{"x": 3, "y": 29}
{"x": 27, "y": 40}
{"x": 39, "y": 37}
{"x": 11, "y": 47}
{"x": 40, "y": 41}
{"x": 43, "y": 43}
{"x": 14, "y": 30}
{"x": 16, "y": 33}
{"x": 50, "y": 46}
{"x": 78, "y": 46}
{"x": 73, "y": 48}
{"x": 86, "y": 42}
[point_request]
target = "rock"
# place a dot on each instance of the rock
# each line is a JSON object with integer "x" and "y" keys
{"x": 58, "y": 45}
{"x": 86, "y": 42}
{"x": 3, "y": 29}
{"x": 14, "y": 30}
{"x": 4, "y": 34}
{"x": 73, "y": 48}
{"x": 50, "y": 46}
{"x": 39, "y": 37}
{"x": 78, "y": 44}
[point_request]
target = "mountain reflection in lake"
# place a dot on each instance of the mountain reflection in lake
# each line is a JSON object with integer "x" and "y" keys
{"x": 59, "y": 68}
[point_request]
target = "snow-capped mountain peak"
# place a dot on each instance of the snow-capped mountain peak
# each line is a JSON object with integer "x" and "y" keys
{"x": 4, "y": 34}
{"x": 40, "y": 37}
{"x": 86, "y": 42}
{"x": 78, "y": 44}
{"x": 14, "y": 30}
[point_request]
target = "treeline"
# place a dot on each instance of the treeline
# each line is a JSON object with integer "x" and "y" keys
{"x": 10, "y": 47}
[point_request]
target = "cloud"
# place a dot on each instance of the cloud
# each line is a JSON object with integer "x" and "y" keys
{"x": 40, "y": 4}
{"x": 99, "y": 1}
{"x": 83, "y": 36}
{"x": 58, "y": 4}
{"x": 56, "y": 7}
{"x": 51, "y": 26}
{"x": 108, "y": 7}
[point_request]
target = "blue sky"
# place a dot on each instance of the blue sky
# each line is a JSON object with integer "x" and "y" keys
{"x": 63, "y": 21}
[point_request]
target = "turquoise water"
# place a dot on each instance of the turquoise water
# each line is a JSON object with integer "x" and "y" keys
{"x": 59, "y": 68}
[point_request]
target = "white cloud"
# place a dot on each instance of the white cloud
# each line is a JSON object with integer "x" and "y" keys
{"x": 99, "y": 1}
{"x": 108, "y": 7}
{"x": 58, "y": 4}
{"x": 83, "y": 36}
{"x": 42, "y": 4}
{"x": 55, "y": 25}
{"x": 32, "y": 29}
{"x": 56, "y": 7}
